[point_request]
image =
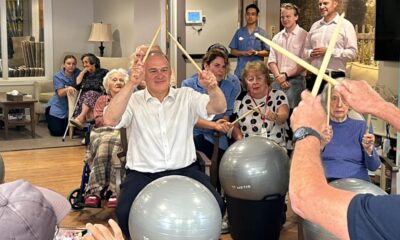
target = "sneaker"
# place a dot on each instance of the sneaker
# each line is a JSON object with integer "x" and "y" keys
{"x": 225, "y": 224}
{"x": 77, "y": 123}
{"x": 92, "y": 201}
{"x": 112, "y": 202}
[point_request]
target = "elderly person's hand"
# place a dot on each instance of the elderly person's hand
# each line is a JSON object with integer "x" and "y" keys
{"x": 326, "y": 135}
{"x": 100, "y": 232}
{"x": 137, "y": 73}
{"x": 367, "y": 142}
{"x": 270, "y": 115}
{"x": 309, "y": 113}
{"x": 359, "y": 95}
{"x": 207, "y": 80}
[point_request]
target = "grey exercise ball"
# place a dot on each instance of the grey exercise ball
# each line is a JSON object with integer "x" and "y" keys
{"x": 175, "y": 207}
{"x": 2, "y": 170}
{"x": 254, "y": 168}
{"x": 357, "y": 186}
{"x": 311, "y": 231}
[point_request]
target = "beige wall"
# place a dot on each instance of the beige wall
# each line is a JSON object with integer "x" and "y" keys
{"x": 221, "y": 24}
{"x": 71, "y": 28}
{"x": 120, "y": 14}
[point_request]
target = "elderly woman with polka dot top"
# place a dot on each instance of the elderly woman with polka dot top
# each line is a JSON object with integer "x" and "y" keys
{"x": 270, "y": 119}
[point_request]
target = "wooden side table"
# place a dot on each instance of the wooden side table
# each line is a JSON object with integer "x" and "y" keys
{"x": 27, "y": 102}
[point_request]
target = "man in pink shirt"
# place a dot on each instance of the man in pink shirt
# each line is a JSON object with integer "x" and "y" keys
{"x": 319, "y": 36}
{"x": 289, "y": 76}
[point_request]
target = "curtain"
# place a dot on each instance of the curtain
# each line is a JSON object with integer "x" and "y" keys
{"x": 15, "y": 18}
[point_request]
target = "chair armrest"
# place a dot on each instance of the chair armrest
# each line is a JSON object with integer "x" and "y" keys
{"x": 389, "y": 164}
{"x": 204, "y": 161}
{"x": 124, "y": 143}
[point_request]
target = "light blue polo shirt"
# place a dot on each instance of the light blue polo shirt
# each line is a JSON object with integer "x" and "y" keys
{"x": 243, "y": 41}
{"x": 59, "y": 105}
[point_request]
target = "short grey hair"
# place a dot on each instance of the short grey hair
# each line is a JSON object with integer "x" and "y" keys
{"x": 155, "y": 48}
{"x": 324, "y": 94}
{"x": 108, "y": 76}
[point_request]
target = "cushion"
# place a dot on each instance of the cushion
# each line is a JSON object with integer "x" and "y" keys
{"x": 359, "y": 71}
{"x": 45, "y": 96}
{"x": 114, "y": 62}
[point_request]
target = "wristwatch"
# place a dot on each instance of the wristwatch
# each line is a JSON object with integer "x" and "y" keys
{"x": 304, "y": 132}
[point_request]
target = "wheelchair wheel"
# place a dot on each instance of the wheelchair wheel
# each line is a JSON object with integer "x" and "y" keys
{"x": 75, "y": 198}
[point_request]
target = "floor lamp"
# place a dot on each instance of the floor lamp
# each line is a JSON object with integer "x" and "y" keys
{"x": 101, "y": 32}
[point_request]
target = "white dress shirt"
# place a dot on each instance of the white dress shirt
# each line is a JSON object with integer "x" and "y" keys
{"x": 161, "y": 133}
{"x": 346, "y": 45}
{"x": 293, "y": 42}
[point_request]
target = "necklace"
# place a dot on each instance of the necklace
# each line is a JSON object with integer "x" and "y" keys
{"x": 262, "y": 116}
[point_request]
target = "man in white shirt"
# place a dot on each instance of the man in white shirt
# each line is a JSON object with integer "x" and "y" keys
{"x": 318, "y": 39}
{"x": 289, "y": 76}
{"x": 159, "y": 122}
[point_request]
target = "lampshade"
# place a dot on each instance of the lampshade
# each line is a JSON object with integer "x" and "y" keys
{"x": 101, "y": 32}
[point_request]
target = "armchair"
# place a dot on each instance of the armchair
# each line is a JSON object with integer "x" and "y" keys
{"x": 43, "y": 91}
{"x": 33, "y": 55}
{"x": 17, "y": 59}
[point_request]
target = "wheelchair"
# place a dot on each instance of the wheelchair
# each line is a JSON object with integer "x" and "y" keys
{"x": 77, "y": 196}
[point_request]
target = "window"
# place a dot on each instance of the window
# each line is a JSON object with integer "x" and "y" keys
{"x": 25, "y": 38}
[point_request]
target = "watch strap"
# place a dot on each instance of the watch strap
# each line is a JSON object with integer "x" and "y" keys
{"x": 304, "y": 132}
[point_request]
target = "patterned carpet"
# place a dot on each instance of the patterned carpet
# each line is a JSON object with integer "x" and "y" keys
{"x": 20, "y": 138}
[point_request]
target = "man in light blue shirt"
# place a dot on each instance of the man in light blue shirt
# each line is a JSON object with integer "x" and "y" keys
{"x": 245, "y": 45}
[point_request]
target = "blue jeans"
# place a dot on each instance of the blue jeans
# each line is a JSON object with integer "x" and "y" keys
{"x": 297, "y": 85}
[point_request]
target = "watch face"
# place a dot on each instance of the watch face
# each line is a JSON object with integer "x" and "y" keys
{"x": 300, "y": 132}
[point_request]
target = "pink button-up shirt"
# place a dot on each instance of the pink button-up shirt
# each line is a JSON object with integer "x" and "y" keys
{"x": 346, "y": 45}
{"x": 292, "y": 41}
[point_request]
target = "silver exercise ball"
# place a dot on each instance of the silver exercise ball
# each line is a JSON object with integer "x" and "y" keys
{"x": 357, "y": 186}
{"x": 254, "y": 168}
{"x": 311, "y": 231}
{"x": 2, "y": 170}
{"x": 175, "y": 207}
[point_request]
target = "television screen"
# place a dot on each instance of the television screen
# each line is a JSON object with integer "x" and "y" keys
{"x": 387, "y": 33}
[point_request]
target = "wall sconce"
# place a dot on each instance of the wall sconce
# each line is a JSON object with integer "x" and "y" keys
{"x": 101, "y": 32}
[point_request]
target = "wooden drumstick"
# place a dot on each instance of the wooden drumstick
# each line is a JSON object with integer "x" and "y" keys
{"x": 327, "y": 57}
{"x": 152, "y": 43}
{"x": 184, "y": 52}
{"x": 328, "y": 104}
{"x": 295, "y": 58}
{"x": 368, "y": 123}
{"x": 247, "y": 113}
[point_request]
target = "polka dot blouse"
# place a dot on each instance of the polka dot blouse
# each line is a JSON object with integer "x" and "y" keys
{"x": 253, "y": 124}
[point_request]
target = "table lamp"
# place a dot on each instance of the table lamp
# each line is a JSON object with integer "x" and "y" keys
{"x": 101, "y": 32}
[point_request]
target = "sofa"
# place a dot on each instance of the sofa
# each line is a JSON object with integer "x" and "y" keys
{"x": 114, "y": 62}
